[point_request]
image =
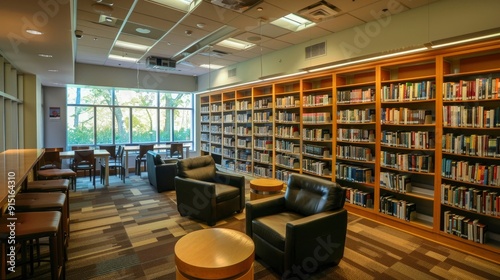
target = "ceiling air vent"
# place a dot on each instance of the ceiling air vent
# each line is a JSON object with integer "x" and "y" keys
{"x": 319, "y": 11}
{"x": 316, "y": 50}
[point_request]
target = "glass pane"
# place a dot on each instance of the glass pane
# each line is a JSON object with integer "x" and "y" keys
{"x": 122, "y": 125}
{"x": 165, "y": 125}
{"x": 104, "y": 125}
{"x": 182, "y": 125}
{"x": 178, "y": 100}
{"x": 144, "y": 125}
{"x": 80, "y": 125}
{"x": 89, "y": 95}
{"x": 126, "y": 97}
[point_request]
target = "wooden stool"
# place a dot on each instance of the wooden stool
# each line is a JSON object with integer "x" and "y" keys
{"x": 64, "y": 173}
{"x": 54, "y": 185}
{"x": 260, "y": 188}
{"x": 26, "y": 227}
{"x": 40, "y": 202}
{"x": 215, "y": 253}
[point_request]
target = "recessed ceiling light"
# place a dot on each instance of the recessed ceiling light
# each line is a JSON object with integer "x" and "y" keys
{"x": 211, "y": 66}
{"x": 200, "y": 25}
{"x": 53, "y": 70}
{"x": 33, "y": 32}
{"x": 235, "y": 44}
{"x": 44, "y": 55}
{"x": 122, "y": 58}
{"x": 143, "y": 30}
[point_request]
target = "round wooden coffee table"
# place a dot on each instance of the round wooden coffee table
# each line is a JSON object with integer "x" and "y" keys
{"x": 215, "y": 253}
{"x": 260, "y": 188}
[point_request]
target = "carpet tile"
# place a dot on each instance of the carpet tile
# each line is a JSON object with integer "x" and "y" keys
{"x": 128, "y": 231}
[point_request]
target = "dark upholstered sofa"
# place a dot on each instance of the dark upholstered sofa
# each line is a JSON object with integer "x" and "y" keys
{"x": 161, "y": 173}
{"x": 205, "y": 193}
{"x": 301, "y": 231}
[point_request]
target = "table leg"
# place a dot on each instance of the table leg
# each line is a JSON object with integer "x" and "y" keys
{"x": 126, "y": 164}
{"x": 106, "y": 178}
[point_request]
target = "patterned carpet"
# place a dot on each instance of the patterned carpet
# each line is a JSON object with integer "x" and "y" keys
{"x": 129, "y": 232}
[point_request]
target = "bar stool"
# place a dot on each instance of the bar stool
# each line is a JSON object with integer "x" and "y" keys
{"x": 65, "y": 173}
{"x": 26, "y": 227}
{"x": 40, "y": 202}
{"x": 54, "y": 185}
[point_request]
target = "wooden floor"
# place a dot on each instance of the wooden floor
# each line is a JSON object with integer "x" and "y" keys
{"x": 129, "y": 232}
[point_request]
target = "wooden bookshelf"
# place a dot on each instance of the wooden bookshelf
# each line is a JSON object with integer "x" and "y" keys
{"x": 389, "y": 131}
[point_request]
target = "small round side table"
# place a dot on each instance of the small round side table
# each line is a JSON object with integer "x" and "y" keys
{"x": 260, "y": 188}
{"x": 215, "y": 253}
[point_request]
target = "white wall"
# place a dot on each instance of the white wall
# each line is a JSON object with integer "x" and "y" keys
{"x": 414, "y": 28}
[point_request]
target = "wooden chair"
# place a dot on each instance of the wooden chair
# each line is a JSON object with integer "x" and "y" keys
{"x": 141, "y": 158}
{"x": 50, "y": 159}
{"x": 176, "y": 150}
{"x": 85, "y": 160}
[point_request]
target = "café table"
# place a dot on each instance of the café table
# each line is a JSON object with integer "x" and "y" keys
{"x": 103, "y": 154}
{"x": 135, "y": 148}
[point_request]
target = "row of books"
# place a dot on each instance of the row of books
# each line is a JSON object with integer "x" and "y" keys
{"x": 243, "y": 143}
{"x": 356, "y": 116}
{"x": 266, "y": 116}
{"x": 406, "y": 116}
{"x": 215, "y": 129}
{"x": 242, "y": 166}
{"x": 358, "y": 197}
{"x": 205, "y": 118}
{"x": 316, "y": 134}
{"x": 356, "y": 135}
{"x": 471, "y": 199}
{"x": 398, "y": 208}
{"x": 263, "y": 157}
{"x": 228, "y": 153}
{"x": 407, "y": 162}
{"x": 263, "y": 103}
{"x": 471, "y": 145}
{"x": 287, "y": 146}
{"x": 205, "y": 147}
{"x": 287, "y": 101}
{"x": 261, "y": 130}
{"x": 244, "y": 155}
{"x": 205, "y": 109}
{"x": 228, "y": 164}
{"x": 216, "y": 150}
{"x": 409, "y": 91}
{"x": 228, "y": 118}
{"x": 243, "y": 105}
{"x": 353, "y": 173}
{"x": 470, "y": 172}
{"x": 205, "y": 137}
{"x": 408, "y": 139}
{"x": 229, "y": 129}
{"x": 478, "y": 89}
{"x": 244, "y": 131}
{"x": 214, "y": 138}
{"x": 395, "y": 181}
{"x": 283, "y": 174}
{"x": 216, "y": 107}
{"x": 228, "y": 141}
{"x": 356, "y": 96}
{"x": 354, "y": 153}
{"x": 476, "y": 116}
{"x": 263, "y": 144}
{"x": 263, "y": 171}
{"x": 317, "y": 167}
{"x": 314, "y": 118}
{"x": 464, "y": 227}
{"x": 215, "y": 118}
{"x": 316, "y": 100}
{"x": 205, "y": 128}
{"x": 288, "y": 131}
{"x": 316, "y": 150}
{"x": 243, "y": 117}
{"x": 288, "y": 161}
{"x": 283, "y": 116}
{"x": 228, "y": 106}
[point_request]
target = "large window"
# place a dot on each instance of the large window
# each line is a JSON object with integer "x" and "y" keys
{"x": 121, "y": 116}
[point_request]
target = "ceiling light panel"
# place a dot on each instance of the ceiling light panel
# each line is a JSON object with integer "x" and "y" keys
{"x": 235, "y": 44}
{"x": 181, "y": 5}
{"x": 293, "y": 22}
{"x": 131, "y": 46}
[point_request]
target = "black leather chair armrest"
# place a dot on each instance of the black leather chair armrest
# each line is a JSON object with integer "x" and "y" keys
{"x": 322, "y": 235}
{"x": 230, "y": 179}
{"x": 262, "y": 207}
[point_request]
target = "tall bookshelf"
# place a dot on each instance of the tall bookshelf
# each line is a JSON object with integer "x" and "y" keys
{"x": 415, "y": 139}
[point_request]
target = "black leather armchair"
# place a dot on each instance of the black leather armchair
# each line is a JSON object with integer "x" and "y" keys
{"x": 161, "y": 173}
{"x": 205, "y": 193}
{"x": 302, "y": 230}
